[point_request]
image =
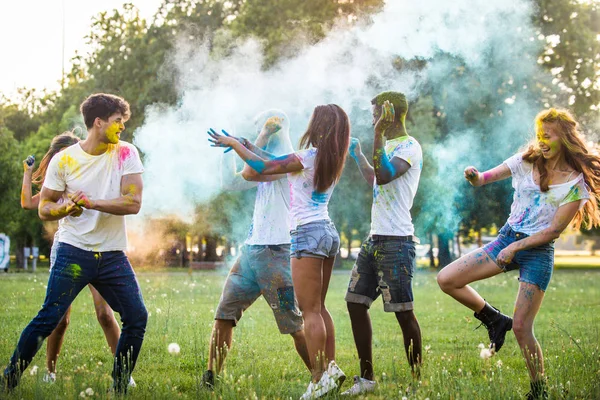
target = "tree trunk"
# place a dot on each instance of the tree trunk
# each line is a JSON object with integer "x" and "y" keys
{"x": 211, "y": 249}
{"x": 479, "y": 239}
{"x": 444, "y": 255}
{"x": 458, "y": 244}
{"x": 430, "y": 252}
{"x": 349, "y": 237}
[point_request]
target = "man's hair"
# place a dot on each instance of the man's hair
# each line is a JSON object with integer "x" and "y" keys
{"x": 102, "y": 105}
{"x": 397, "y": 99}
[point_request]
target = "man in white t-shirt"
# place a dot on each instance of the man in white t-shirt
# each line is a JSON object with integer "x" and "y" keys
{"x": 101, "y": 179}
{"x": 263, "y": 267}
{"x": 386, "y": 262}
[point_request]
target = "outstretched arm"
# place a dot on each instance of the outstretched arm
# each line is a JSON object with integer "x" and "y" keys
{"x": 28, "y": 202}
{"x": 128, "y": 203}
{"x": 495, "y": 174}
{"x": 279, "y": 165}
{"x": 563, "y": 217}
{"x": 365, "y": 168}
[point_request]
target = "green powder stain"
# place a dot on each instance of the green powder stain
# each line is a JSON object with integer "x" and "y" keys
{"x": 75, "y": 270}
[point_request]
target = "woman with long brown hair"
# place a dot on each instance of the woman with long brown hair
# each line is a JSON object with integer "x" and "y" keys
{"x": 104, "y": 313}
{"x": 557, "y": 183}
{"x": 312, "y": 174}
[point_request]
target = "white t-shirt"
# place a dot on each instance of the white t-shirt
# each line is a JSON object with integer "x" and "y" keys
{"x": 271, "y": 218}
{"x": 390, "y": 214}
{"x": 533, "y": 210}
{"x": 99, "y": 177}
{"x": 307, "y": 205}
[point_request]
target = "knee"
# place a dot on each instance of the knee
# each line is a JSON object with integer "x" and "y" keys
{"x": 106, "y": 318}
{"x": 522, "y": 329}
{"x": 445, "y": 282}
{"x": 137, "y": 320}
{"x": 406, "y": 317}
{"x": 63, "y": 324}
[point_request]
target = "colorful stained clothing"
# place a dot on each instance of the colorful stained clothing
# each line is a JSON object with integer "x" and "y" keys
{"x": 307, "y": 205}
{"x": 386, "y": 262}
{"x": 533, "y": 210}
{"x": 390, "y": 213}
{"x": 89, "y": 250}
{"x": 261, "y": 270}
{"x": 263, "y": 267}
{"x": 270, "y": 220}
{"x": 99, "y": 177}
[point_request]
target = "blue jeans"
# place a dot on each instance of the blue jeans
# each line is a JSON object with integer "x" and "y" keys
{"x": 535, "y": 265}
{"x": 385, "y": 265}
{"x": 317, "y": 239}
{"x": 112, "y": 275}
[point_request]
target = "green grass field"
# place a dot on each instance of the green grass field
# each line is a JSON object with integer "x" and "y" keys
{"x": 263, "y": 363}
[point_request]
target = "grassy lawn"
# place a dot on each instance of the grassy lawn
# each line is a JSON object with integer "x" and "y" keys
{"x": 263, "y": 363}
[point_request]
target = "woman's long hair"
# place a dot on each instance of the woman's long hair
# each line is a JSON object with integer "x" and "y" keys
{"x": 328, "y": 131}
{"x": 576, "y": 154}
{"x": 58, "y": 143}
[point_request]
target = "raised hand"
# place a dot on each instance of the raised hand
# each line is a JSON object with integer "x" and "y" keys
{"x": 354, "y": 149}
{"x": 272, "y": 125}
{"x": 28, "y": 163}
{"x": 472, "y": 175}
{"x": 225, "y": 140}
{"x": 386, "y": 118}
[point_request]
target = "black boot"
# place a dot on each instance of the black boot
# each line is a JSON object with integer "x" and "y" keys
{"x": 496, "y": 323}
{"x": 208, "y": 380}
{"x": 538, "y": 390}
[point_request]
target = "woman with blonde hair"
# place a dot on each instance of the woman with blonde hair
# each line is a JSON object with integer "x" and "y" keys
{"x": 556, "y": 182}
{"x": 104, "y": 313}
{"x": 312, "y": 175}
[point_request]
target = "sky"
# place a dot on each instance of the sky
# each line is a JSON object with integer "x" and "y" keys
{"x": 32, "y": 35}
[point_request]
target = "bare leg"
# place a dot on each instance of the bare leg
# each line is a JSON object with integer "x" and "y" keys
{"x": 363, "y": 335}
{"x": 55, "y": 341}
{"x": 301, "y": 348}
{"x": 107, "y": 320}
{"x": 307, "y": 274}
{"x": 412, "y": 339}
{"x": 220, "y": 343}
{"x": 455, "y": 277}
{"x": 329, "y": 327}
{"x": 529, "y": 301}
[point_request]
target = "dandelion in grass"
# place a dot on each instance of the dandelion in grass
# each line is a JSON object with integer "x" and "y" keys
{"x": 158, "y": 310}
{"x": 499, "y": 363}
{"x": 173, "y": 348}
{"x": 485, "y": 353}
{"x": 34, "y": 370}
{"x": 82, "y": 394}
{"x": 89, "y": 391}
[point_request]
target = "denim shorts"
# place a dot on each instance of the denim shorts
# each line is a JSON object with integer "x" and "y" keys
{"x": 535, "y": 265}
{"x": 262, "y": 270}
{"x": 317, "y": 239}
{"x": 385, "y": 266}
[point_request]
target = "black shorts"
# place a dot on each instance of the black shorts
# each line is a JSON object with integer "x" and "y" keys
{"x": 386, "y": 267}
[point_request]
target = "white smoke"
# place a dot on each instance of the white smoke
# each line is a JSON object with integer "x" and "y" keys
{"x": 348, "y": 68}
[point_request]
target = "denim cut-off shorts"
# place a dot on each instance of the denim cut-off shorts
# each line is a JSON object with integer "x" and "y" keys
{"x": 317, "y": 239}
{"x": 535, "y": 265}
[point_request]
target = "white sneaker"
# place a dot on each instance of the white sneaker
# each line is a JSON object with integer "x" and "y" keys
{"x": 336, "y": 373}
{"x": 315, "y": 390}
{"x": 49, "y": 377}
{"x": 131, "y": 382}
{"x": 361, "y": 385}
